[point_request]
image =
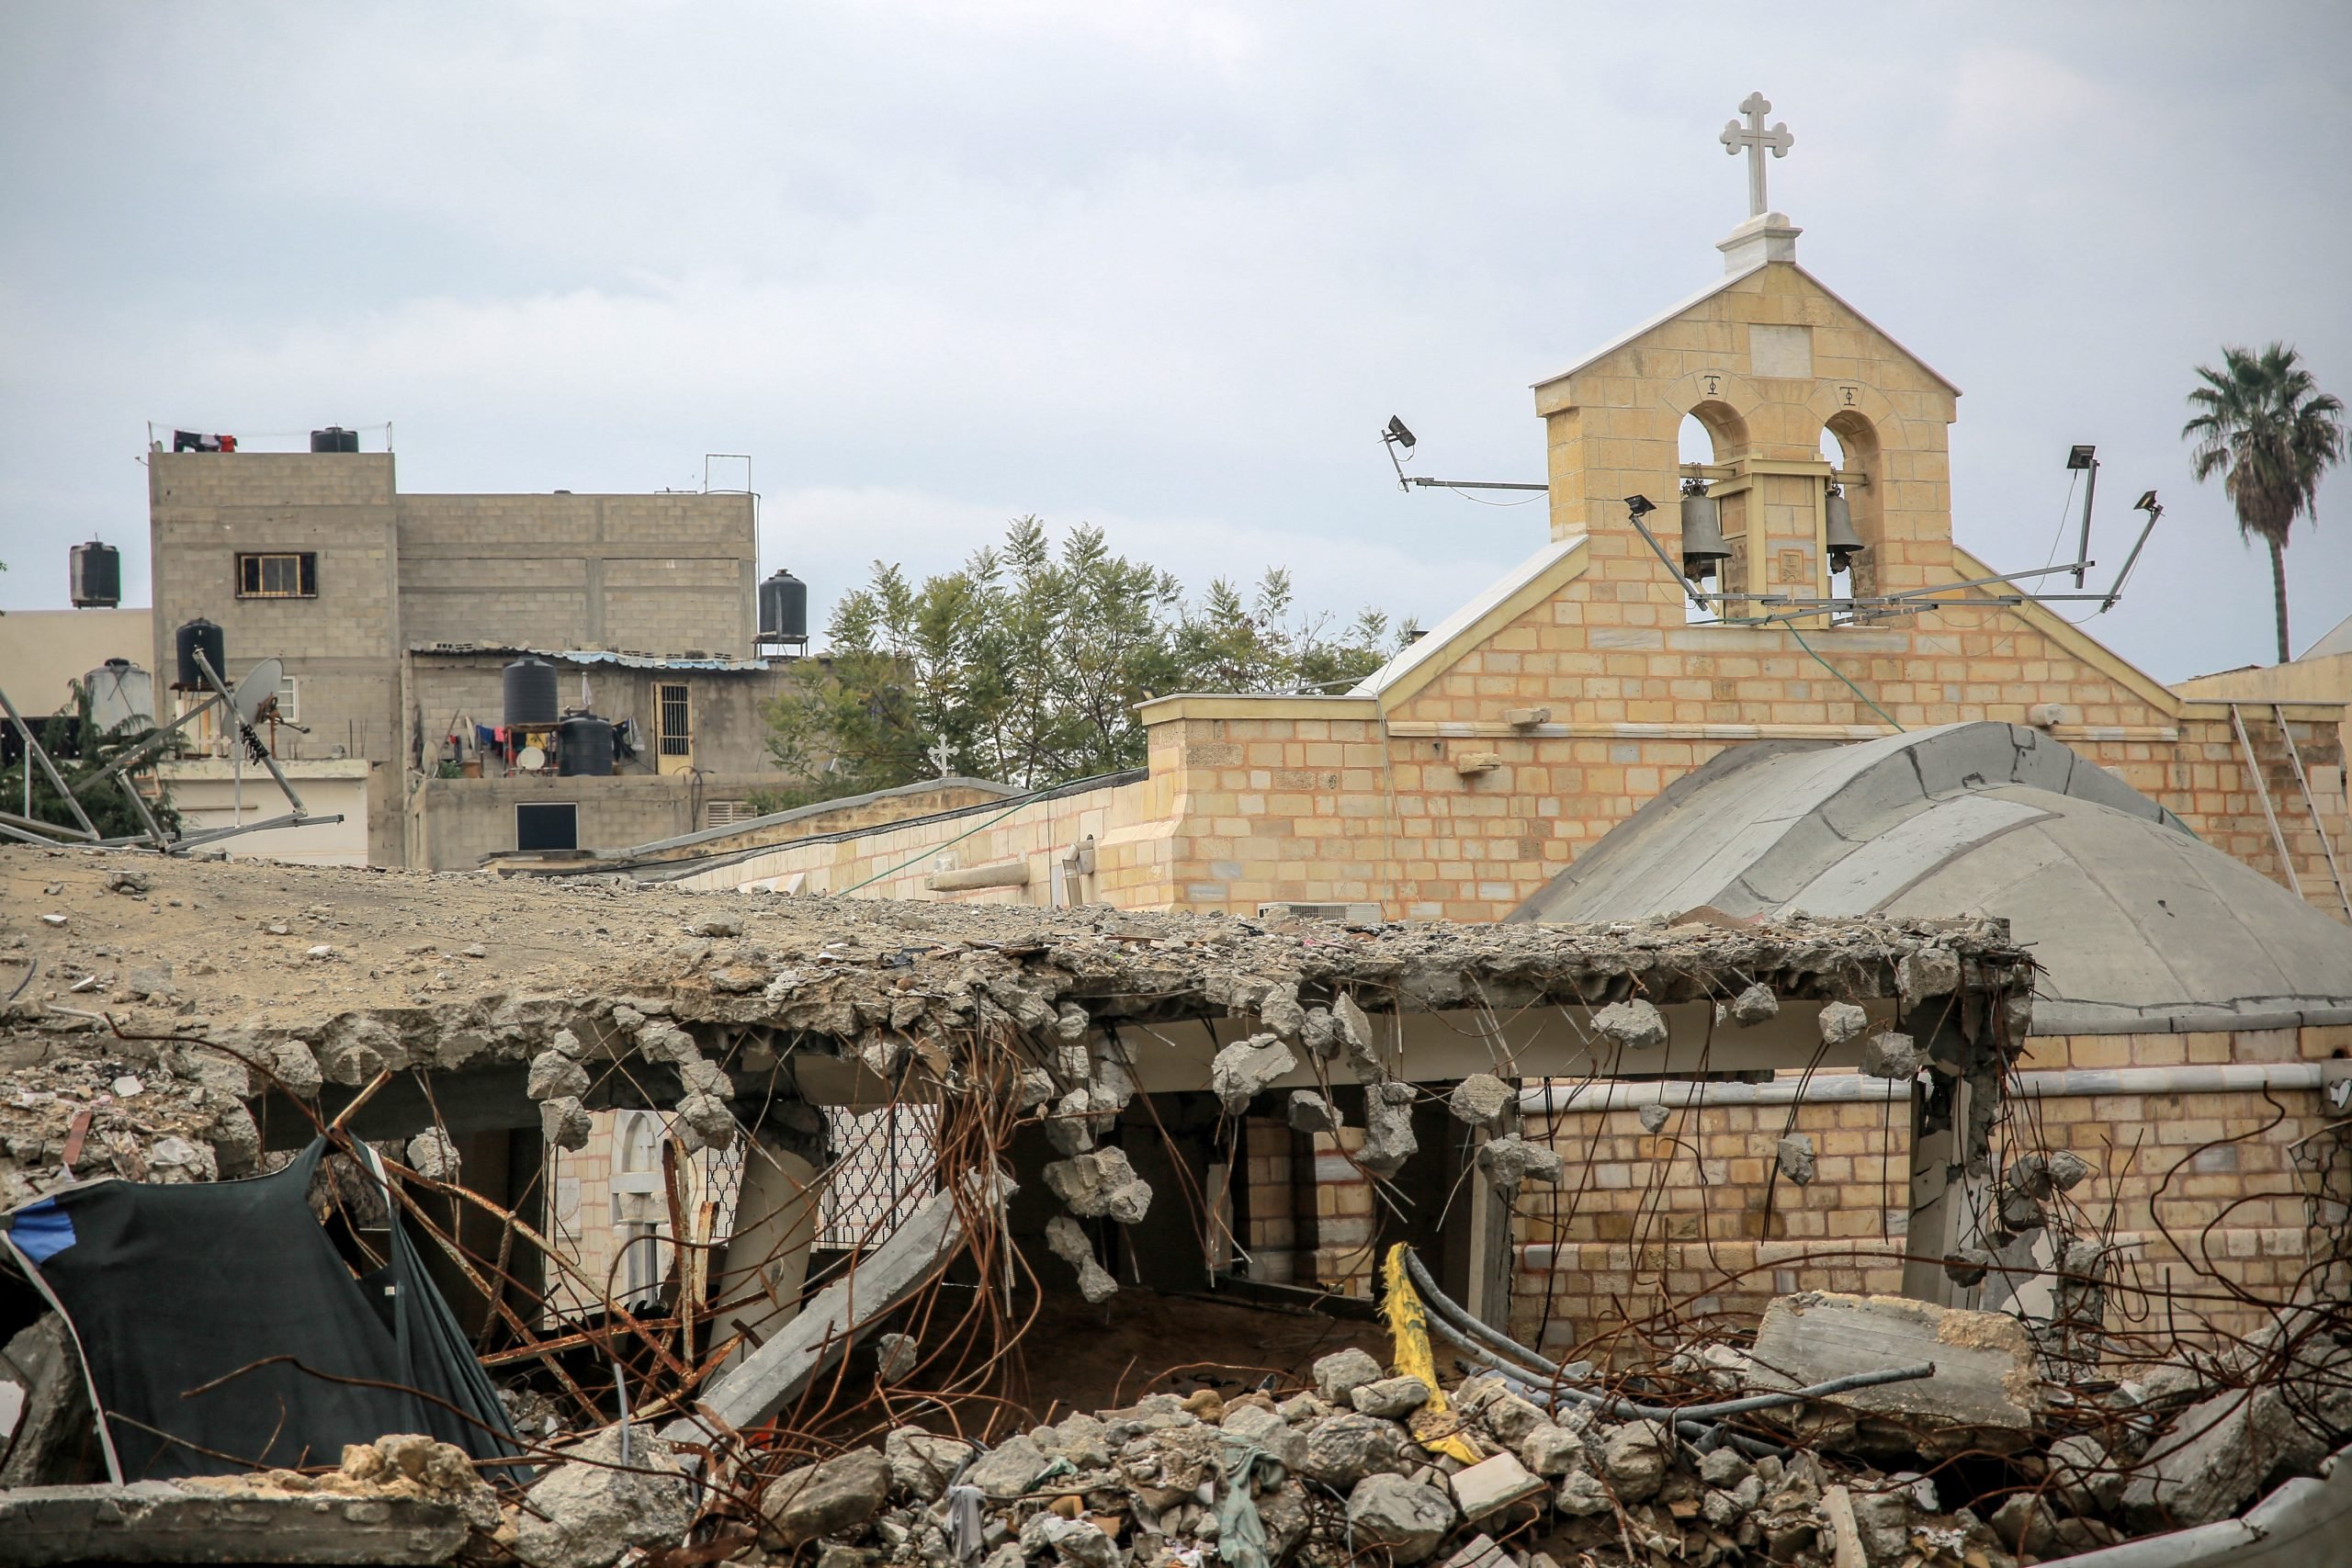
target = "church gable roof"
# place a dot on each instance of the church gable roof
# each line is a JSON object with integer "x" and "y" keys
{"x": 1675, "y": 313}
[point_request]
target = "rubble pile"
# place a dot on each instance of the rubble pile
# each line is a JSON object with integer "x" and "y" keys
{"x": 153, "y": 1002}
{"x": 1357, "y": 1469}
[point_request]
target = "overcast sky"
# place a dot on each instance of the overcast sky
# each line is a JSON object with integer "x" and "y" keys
{"x": 1162, "y": 267}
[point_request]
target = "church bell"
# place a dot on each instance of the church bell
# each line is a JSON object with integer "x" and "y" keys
{"x": 1839, "y": 530}
{"x": 1702, "y": 532}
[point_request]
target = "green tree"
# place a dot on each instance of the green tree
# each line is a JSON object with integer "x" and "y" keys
{"x": 1025, "y": 666}
{"x": 2264, "y": 426}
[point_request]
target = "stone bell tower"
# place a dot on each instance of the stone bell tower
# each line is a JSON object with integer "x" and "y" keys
{"x": 1766, "y": 358}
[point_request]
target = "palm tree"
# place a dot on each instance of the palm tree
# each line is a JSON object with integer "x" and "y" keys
{"x": 2267, "y": 428}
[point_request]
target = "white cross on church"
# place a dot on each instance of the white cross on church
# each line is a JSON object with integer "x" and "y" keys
{"x": 1755, "y": 139}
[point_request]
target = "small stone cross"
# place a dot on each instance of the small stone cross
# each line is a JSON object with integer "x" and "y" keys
{"x": 1755, "y": 139}
{"x": 939, "y": 756}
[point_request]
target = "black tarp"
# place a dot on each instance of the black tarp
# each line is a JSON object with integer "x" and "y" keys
{"x": 169, "y": 1288}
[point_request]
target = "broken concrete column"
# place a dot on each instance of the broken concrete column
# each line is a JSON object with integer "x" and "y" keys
{"x": 1246, "y": 1068}
{"x": 1070, "y": 1128}
{"x": 1068, "y": 1242}
{"x": 765, "y": 1263}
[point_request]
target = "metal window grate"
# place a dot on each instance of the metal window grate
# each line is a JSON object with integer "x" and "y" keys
{"x": 885, "y": 1163}
{"x": 677, "y": 731}
{"x": 726, "y": 813}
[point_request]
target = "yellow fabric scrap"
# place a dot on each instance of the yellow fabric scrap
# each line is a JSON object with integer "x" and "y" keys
{"x": 1409, "y": 1326}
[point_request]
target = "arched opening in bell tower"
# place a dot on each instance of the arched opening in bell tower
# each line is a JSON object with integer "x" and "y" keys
{"x": 1850, "y": 443}
{"x": 1709, "y": 440}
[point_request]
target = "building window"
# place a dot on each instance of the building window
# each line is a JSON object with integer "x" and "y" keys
{"x": 290, "y": 700}
{"x": 677, "y": 722}
{"x": 277, "y": 576}
{"x": 638, "y": 1206}
{"x": 543, "y": 827}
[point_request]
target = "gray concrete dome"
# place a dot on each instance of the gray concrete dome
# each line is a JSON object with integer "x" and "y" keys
{"x": 2137, "y": 924}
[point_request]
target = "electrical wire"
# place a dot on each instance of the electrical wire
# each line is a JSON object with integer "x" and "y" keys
{"x": 1842, "y": 675}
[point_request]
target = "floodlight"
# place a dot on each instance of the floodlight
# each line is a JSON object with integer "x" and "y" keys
{"x": 1639, "y": 505}
{"x": 1398, "y": 434}
{"x": 2145, "y": 504}
{"x": 2081, "y": 456}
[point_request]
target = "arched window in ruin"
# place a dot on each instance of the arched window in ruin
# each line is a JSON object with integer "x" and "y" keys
{"x": 637, "y": 1202}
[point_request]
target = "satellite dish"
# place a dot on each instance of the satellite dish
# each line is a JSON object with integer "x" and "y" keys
{"x": 530, "y": 759}
{"x": 260, "y": 685}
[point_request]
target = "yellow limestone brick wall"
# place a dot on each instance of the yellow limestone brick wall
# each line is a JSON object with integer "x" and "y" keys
{"x": 1127, "y": 822}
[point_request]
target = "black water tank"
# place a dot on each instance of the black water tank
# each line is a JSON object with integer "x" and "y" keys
{"x": 530, "y": 694}
{"x": 199, "y": 633}
{"x": 96, "y": 576}
{"x": 783, "y": 609}
{"x": 584, "y": 746}
{"x": 334, "y": 438}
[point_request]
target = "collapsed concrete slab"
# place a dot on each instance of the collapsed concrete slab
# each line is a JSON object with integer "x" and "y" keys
{"x": 1985, "y": 1392}
{"x": 155, "y": 1521}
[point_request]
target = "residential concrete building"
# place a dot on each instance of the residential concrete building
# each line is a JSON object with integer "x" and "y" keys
{"x": 395, "y": 615}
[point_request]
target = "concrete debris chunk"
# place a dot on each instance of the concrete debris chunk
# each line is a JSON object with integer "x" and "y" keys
{"x": 1654, "y": 1116}
{"x": 1009, "y": 1469}
{"x": 1795, "y": 1156}
{"x": 1481, "y": 1551}
{"x": 1480, "y": 1101}
{"x": 1036, "y": 1088}
{"x": 709, "y": 1118}
{"x": 1339, "y": 1374}
{"x": 1634, "y": 1458}
{"x": 1390, "y": 1397}
{"x": 589, "y": 1512}
{"x": 1636, "y": 1025}
{"x": 1582, "y": 1494}
{"x": 1756, "y": 1005}
{"x": 1986, "y": 1390}
{"x": 1354, "y": 1029}
{"x": 1070, "y": 1128}
{"x": 1889, "y": 1055}
{"x": 826, "y": 1499}
{"x": 1280, "y": 1013}
{"x": 1552, "y": 1450}
{"x": 2216, "y": 1457}
{"x": 921, "y": 1462}
{"x": 1343, "y": 1450}
{"x": 1388, "y": 1139}
{"x": 1244, "y": 1068}
{"x": 1840, "y": 1022}
{"x": 1493, "y": 1485}
{"x": 1310, "y": 1112}
{"x": 432, "y": 1155}
{"x": 1069, "y": 1241}
{"x": 565, "y": 1124}
{"x": 1510, "y": 1160}
{"x": 1099, "y": 1184}
{"x": 1927, "y": 971}
{"x": 895, "y": 1356}
{"x": 555, "y": 1076}
{"x": 54, "y": 1410}
{"x": 1404, "y": 1518}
